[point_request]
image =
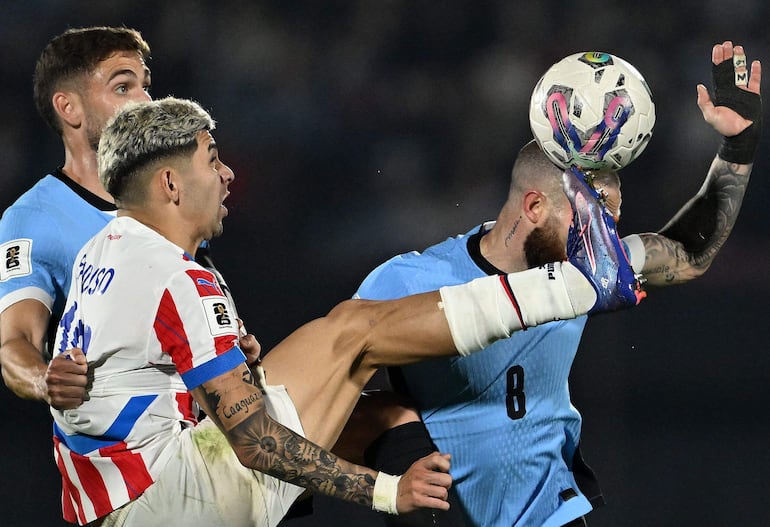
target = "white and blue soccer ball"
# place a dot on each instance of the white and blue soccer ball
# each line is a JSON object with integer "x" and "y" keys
{"x": 592, "y": 110}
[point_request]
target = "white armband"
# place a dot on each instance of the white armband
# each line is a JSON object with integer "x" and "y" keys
{"x": 635, "y": 251}
{"x": 385, "y": 493}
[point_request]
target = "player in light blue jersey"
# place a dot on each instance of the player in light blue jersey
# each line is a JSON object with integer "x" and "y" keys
{"x": 81, "y": 78}
{"x": 51, "y": 222}
{"x": 505, "y": 414}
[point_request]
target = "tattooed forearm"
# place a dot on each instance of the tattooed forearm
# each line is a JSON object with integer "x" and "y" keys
{"x": 248, "y": 378}
{"x": 666, "y": 261}
{"x": 685, "y": 248}
{"x": 266, "y": 446}
{"x": 235, "y": 404}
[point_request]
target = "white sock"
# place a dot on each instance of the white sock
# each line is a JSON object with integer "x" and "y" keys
{"x": 491, "y": 308}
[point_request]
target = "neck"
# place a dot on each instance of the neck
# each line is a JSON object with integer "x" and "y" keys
{"x": 80, "y": 165}
{"x": 503, "y": 247}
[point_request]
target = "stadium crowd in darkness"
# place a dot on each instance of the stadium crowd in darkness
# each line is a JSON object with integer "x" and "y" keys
{"x": 361, "y": 129}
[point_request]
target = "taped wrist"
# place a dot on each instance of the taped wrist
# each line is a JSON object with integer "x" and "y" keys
{"x": 491, "y": 308}
{"x": 385, "y": 493}
{"x": 738, "y": 148}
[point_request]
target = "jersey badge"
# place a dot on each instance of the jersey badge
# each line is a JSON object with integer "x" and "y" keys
{"x": 219, "y": 317}
{"x": 16, "y": 259}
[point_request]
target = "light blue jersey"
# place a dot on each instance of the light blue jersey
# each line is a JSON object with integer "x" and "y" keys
{"x": 505, "y": 413}
{"x": 40, "y": 235}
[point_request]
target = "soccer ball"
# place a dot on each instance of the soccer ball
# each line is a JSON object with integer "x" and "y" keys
{"x": 592, "y": 110}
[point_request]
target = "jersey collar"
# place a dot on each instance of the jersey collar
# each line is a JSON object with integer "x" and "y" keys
{"x": 474, "y": 250}
{"x": 87, "y": 195}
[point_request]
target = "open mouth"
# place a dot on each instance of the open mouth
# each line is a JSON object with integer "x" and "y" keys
{"x": 222, "y": 204}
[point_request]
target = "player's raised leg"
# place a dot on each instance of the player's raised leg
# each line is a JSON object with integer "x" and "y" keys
{"x": 326, "y": 363}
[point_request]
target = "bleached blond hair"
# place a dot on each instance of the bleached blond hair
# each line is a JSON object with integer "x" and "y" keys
{"x": 142, "y": 134}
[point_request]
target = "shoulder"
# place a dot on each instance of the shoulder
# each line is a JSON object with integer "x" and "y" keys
{"x": 414, "y": 271}
{"x": 31, "y": 226}
{"x": 45, "y": 192}
{"x": 47, "y": 208}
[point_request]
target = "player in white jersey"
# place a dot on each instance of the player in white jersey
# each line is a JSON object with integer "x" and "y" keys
{"x": 155, "y": 327}
{"x": 505, "y": 414}
{"x": 81, "y": 77}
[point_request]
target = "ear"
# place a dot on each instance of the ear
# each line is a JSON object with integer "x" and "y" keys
{"x": 169, "y": 181}
{"x": 69, "y": 107}
{"x": 533, "y": 205}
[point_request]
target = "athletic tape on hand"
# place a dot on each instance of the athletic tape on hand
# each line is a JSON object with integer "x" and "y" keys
{"x": 741, "y": 71}
{"x": 727, "y": 79}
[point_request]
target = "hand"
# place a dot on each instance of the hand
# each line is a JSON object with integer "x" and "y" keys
{"x": 425, "y": 484}
{"x": 733, "y": 119}
{"x": 249, "y": 345}
{"x": 66, "y": 380}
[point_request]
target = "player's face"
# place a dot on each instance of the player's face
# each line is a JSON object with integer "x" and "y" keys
{"x": 120, "y": 78}
{"x": 548, "y": 242}
{"x": 206, "y": 187}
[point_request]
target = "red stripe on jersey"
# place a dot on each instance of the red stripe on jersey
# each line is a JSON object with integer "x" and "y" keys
{"x": 171, "y": 334}
{"x": 205, "y": 283}
{"x": 225, "y": 343}
{"x": 184, "y": 403}
{"x": 69, "y": 493}
{"x": 93, "y": 484}
{"x": 131, "y": 467}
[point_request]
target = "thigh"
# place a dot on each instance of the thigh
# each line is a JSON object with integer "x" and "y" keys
{"x": 326, "y": 363}
{"x": 319, "y": 366}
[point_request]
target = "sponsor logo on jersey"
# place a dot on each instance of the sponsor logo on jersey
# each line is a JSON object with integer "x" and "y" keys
{"x": 17, "y": 259}
{"x": 219, "y": 317}
{"x": 550, "y": 270}
{"x": 205, "y": 282}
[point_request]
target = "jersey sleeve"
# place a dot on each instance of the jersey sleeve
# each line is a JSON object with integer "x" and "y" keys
{"x": 195, "y": 327}
{"x": 31, "y": 252}
{"x": 388, "y": 281}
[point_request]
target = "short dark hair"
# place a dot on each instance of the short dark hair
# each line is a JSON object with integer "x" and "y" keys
{"x": 142, "y": 134}
{"x": 77, "y": 52}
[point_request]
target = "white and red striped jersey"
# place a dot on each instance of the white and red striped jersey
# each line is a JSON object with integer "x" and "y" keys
{"x": 153, "y": 324}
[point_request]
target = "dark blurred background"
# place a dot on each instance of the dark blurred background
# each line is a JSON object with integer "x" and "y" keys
{"x": 359, "y": 130}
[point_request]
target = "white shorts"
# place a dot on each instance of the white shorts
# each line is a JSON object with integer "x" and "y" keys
{"x": 205, "y": 484}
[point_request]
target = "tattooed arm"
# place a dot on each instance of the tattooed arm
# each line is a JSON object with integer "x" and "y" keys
{"x": 234, "y": 402}
{"x": 684, "y": 249}
{"x": 686, "y": 246}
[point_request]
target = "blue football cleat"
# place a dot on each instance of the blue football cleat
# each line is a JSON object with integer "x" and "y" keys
{"x": 594, "y": 248}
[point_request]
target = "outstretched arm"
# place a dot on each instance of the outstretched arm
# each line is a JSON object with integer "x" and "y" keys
{"x": 685, "y": 248}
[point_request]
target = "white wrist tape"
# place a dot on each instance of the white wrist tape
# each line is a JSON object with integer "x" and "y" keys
{"x": 493, "y": 307}
{"x": 385, "y": 493}
{"x": 635, "y": 252}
